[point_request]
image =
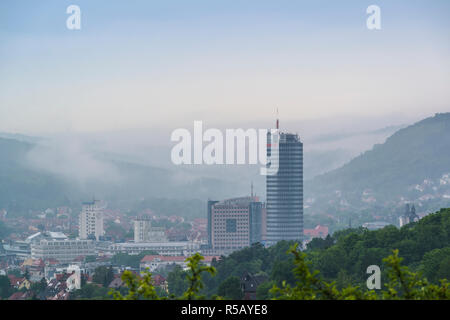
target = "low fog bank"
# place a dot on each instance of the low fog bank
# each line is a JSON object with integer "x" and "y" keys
{"x": 131, "y": 165}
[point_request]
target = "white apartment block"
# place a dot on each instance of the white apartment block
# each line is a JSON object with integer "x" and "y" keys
{"x": 91, "y": 221}
{"x": 184, "y": 248}
{"x": 141, "y": 229}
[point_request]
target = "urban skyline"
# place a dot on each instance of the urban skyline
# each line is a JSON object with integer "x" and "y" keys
{"x": 233, "y": 150}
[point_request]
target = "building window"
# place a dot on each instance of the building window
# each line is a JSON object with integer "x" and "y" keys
{"x": 231, "y": 225}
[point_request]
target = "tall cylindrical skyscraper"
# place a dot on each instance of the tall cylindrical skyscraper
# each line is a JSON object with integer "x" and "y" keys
{"x": 285, "y": 190}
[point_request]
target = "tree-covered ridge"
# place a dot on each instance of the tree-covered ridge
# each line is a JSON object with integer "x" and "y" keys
{"x": 25, "y": 186}
{"x": 414, "y": 262}
{"x": 347, "y": 253}
{"x": 402, "y": 284}
{"x": 22, "y": 188}
{"x": 336, "y": 267}
{"x": 345, "y": 256}
{"x": 386, "y": 171}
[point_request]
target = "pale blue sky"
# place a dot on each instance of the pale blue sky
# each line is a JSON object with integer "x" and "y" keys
{"x": 143, "y": 64}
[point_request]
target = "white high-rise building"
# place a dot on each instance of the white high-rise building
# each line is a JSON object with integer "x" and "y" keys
{"x": 284, "y": 189}
{"x": 141, "y": 229}
{"x": 91, "y": 221}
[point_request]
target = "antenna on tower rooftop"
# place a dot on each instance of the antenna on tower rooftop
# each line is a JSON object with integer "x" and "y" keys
{"x": 278, "y": 121}
{"x": 252, "y": 189}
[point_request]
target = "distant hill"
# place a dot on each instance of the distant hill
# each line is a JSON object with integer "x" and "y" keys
{"x": 21, "y": 187}
{"x": 25, "y": 187}
{"x": 411, "y": 166}
{"x": 19, "y": 137}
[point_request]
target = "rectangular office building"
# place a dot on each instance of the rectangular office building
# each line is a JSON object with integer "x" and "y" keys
{"x": 235, "y": 223}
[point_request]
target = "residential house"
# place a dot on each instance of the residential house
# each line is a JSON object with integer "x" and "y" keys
{"x": 250, "y": 283}
{"x": 35, "y": 268}
{"x": 161, "y": 282}
{"x": 116, "y": 283}
{"x": 19, "y": 282}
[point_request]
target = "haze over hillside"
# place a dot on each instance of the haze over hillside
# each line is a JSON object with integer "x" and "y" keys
{"x": 32, "y": 179}
{"x": 413, "y": 165}
{"x": 125, "y": 170}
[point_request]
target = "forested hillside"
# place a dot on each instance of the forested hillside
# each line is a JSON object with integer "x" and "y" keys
{"x": 22, "y": 188}
{"x": 420, "y": 151}
{"x": 412, "y": 166}
{"x": 343, "y": 257}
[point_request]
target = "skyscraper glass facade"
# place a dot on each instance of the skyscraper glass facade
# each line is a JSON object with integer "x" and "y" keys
{"x": 285, "y": 190}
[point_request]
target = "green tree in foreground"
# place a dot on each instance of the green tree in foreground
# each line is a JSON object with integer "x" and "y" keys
{"x": 90, "y": 291}
{"x": 103, "y": 275}
{"x": 231, "y": 288}
{"x": 436, "y": 264}
{"x": 5, "y": 287}
{"x": 194, "y": 276}
{"x": 177, "y": 281}
{"x": 403, "y": 284}
{"x": 142, "y": 288}
{"x": 309, "y": 286}
{"x": 138, "y": 288}
{"x": 38, "y": 287}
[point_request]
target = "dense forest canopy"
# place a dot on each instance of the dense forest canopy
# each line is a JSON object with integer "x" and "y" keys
{"x": 342, "y": 257}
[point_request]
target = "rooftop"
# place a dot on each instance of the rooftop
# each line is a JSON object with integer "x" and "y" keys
{"x": 151, "y": 258}
{"x": 241, "y": 201}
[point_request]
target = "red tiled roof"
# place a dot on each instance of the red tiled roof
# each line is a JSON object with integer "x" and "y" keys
{"x": 79, "y": 258}
{"x": 158, "y": 279}
{"x": 15, "y": 280}
{"x": 210, "y": 258}
{"x": 52, "y": 261}
{"x": 18, "y": 296}
{"x": 317, "y": 231}
{"x": 61, "y": 276}
{"x": 38, "y": 263}
{"x": 116, "y": 283}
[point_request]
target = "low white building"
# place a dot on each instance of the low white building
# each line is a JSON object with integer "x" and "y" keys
{"x": 375, "y": 225}
{"x": 183, "y": 248}
{"x": 22, "y": 249}
{"x": 64, "y": 251}
{"x": 155, "y": 262}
